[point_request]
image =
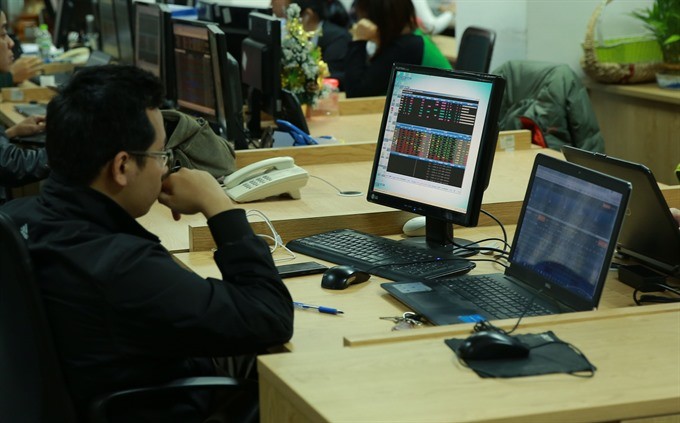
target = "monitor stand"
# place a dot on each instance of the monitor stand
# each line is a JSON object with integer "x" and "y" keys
{"x": 439, "y": 237}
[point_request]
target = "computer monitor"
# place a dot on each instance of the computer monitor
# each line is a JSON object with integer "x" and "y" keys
{"x": 154, "y": 43}
{"x": 234, "y": 21}
{"x": 69, "y": 16}
{"x": 107, "y": 29}
{"x": 124, "y": 34}
{"x": 228, "y": 89}
{"x": 261, "y": 68}
{"x": 261, "y": 72}
{"x": 436, "y": 147}
{"x": 203, "y": 80}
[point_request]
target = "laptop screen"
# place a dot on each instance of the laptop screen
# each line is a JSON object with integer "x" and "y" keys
{"x": 567, "y": 231}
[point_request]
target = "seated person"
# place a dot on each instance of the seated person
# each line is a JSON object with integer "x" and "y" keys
{"x": 331, "y": 38}
{"x": 123, "y": 312}
{"x": 14, "y": 72}
{"x": 18, "y": 166}
{"x": 389, "y": 25}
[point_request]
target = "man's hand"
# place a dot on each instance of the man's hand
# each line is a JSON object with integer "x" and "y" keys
{"x": 190, "y": 191}
{"x": 29, "y": 126}
{"x": 25, "y": 67}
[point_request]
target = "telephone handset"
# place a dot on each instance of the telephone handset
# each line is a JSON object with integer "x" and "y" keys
{"x": 266, "y": 178}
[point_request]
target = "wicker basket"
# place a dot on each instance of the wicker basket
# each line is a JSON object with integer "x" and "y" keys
{"x": 623, "y": 61}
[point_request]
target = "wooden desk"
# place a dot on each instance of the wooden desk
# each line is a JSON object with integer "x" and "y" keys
{"x": 635, "y": 350}
{"x": 640, "y": 123}
{"x": 365, "y": 303}
{"x": 320, "y": 209}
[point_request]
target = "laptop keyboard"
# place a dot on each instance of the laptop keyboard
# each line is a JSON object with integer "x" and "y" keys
{"x": 494, "y": 297}
{"x": 380, "y": 256}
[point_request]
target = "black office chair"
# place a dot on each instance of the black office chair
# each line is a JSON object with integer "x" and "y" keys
{"x": 33, "y": 389}
{"x": 475, "y": 49}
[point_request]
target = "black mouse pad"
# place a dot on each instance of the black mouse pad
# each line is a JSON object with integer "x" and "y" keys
{"x": 548, "y": 354}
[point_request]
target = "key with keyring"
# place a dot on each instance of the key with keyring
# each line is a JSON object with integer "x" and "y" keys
{"x": 408, "y": 320}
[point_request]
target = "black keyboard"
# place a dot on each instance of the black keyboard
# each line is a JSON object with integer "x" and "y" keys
{"x": 495, "y": 298}
{"x": 380, "y": 256}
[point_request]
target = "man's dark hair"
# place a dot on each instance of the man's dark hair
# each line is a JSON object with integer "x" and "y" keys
{"x": 390, "y": 16}
{"x": 320, "y": 7}
{"x": 99, "y": 113}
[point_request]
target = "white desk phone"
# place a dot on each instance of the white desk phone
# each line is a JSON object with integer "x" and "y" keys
{"x": 266, "y": 178}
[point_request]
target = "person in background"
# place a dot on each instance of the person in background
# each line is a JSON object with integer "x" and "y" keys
{"x": 19, "y": 68}
{"x": 431, "y": 23}
{"x": 386, "y": 33}
{"x": 123, "y": 312}
{"x": 331, "y": 38}
{"x": 18, "y": 166}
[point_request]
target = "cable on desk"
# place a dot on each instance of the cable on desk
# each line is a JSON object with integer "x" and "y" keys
{"x": 340, "y": 192}
{"x": 274, "y": 237}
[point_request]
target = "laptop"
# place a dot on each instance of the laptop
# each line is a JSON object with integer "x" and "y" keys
{"x": 560, "y": 255}
{"x": 96, "y": 58}
{"x": 649, "y": 235}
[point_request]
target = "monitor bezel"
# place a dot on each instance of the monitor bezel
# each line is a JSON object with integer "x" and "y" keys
{"x": 484, "y": 159}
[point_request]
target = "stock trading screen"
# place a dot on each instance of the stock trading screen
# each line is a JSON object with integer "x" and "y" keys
{"x": 432, "y": 137}
{"x": 195, "y": 87}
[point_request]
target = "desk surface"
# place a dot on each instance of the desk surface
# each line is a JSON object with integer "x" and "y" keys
{"x": 645, "y": 91}
{"x": 635, "y": 350}
{"x": 365, "y": 303}
{"x": 503, "y": 198}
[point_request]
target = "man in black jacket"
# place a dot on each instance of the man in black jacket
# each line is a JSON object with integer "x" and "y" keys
{"x": 123, "y": 313}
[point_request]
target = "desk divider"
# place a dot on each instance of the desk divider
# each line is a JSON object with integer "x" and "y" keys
{"x": 464, "y": 330}
{"x": 378, "y": 223}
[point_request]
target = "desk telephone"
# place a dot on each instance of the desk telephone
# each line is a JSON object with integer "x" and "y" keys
{"x": 278, "y": 175}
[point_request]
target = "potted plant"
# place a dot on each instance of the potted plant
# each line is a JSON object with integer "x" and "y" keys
{"x": 662, "y": 18}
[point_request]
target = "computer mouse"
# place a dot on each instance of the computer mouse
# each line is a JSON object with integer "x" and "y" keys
{"x": 414, "y": 227}
{"x": 340, "y": 277}
{"x": 491, "y": 345}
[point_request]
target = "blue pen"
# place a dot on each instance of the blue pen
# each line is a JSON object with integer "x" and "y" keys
{"x": 320, "y": 309}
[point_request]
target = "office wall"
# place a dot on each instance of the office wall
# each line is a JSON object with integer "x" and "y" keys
{"x": 550, "y": 30}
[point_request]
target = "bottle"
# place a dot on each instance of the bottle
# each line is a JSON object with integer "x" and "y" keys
{"x": 91, "y": 36}
{"x": 329, "y": 106}
{"x": 44, "y": 41}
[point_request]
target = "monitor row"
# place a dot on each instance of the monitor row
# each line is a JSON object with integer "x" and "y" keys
{"x": 206, "y": 67}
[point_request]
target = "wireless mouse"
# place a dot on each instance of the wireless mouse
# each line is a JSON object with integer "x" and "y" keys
{"x": 340, "y": 277}
{"x": 491, "y": 345}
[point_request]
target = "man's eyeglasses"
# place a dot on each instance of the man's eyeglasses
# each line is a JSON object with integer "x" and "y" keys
{"x": 164, "y": 157}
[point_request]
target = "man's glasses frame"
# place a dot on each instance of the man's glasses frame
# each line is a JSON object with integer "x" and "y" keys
{"x": 164, "y": 157}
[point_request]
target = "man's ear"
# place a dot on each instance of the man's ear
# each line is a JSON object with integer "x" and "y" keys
{"x": 121, "y": 168}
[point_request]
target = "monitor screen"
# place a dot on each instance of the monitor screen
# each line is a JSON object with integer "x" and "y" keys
{"x": 148, "y": 38}
{"x": 122, "y": 13}
{"x": 194, "y": 69}
{"x": 107, "y": 28}
{"x": 154, "y": 49}
{"x": 436, "y": 146}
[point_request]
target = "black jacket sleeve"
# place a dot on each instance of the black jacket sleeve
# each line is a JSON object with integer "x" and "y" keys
{"x": 20, "y": 166}
{"x": 184, "y": 314}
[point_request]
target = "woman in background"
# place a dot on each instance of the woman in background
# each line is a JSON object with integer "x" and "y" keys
{"x": 386, "y": 33}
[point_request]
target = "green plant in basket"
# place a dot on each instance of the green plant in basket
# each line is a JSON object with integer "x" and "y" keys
{"x": 663, "y": 20}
